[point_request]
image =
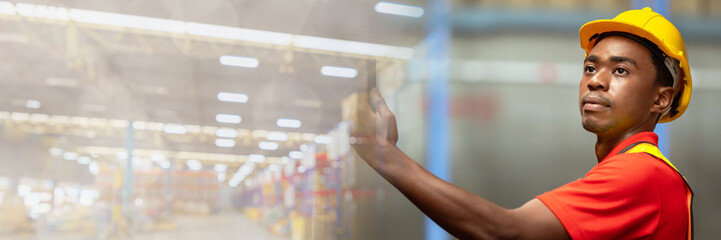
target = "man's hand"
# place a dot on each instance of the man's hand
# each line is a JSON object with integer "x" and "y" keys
{"x": 374, "y": 133}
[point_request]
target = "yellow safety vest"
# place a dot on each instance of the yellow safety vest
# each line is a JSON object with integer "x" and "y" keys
{"x": 655, "y": 152}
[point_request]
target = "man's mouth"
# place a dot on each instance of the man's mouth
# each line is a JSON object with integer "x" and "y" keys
{"x": 595, "y": 103}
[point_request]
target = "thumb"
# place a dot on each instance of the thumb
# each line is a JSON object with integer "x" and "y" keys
{"x": 380, "y": 103}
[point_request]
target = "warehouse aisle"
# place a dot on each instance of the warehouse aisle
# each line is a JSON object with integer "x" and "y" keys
{"x": 228, "y": 225}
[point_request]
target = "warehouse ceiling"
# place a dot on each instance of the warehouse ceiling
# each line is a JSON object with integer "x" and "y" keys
{"x": 106, "y": 73}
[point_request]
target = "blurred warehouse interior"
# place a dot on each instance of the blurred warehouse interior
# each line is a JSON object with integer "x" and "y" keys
{"x": 230, "y": 118}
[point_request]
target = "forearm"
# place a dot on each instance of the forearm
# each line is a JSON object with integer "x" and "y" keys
{"x": 458, "y": 211}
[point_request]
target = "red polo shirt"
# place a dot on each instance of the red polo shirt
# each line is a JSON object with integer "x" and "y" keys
{"x": 625, "y": 196}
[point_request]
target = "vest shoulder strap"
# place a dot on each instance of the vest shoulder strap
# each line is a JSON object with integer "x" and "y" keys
{"x": 653, "y": 151}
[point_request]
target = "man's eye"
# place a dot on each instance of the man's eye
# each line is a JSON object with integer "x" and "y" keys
{"x": 621, "y": 71}
{"x": 589, "y": 69}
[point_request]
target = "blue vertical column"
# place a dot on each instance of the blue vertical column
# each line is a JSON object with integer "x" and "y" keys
{"x": 438, "y": 40}
{"x": 662, "y": 130}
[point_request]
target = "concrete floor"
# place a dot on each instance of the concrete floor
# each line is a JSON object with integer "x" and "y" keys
{"x": 230, "y": 225}
{"x": 226, "y": 225}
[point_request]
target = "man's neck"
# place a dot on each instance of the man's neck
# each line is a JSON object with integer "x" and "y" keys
{"x": 606, "y": 142}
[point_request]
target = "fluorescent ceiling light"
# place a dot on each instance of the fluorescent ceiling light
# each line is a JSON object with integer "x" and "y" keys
{"x": 224, "y": 142}
{"x": 256, "y": 158}
{"x": 247, "y": 168}
{"x": 226, "y": 132}
{"x": 41, "y": 11}
{"x": 273, "y": 167}
{"x": 232, "y": 97}
{"x": 268, "y": 145}
{"x": 399, "y": 9}
{"x": 247, "y": 62}
{"x": 304, "y": 147}
{"x": 157, "y": 157}
{"x": 194, "y": 165}
{"x": 7, "y": 8}
{"x": 33, "y": 104}
{"x": 322, "y": 139}
{"x": 175, "y": 129}
{"x": 277, "y": 136}
{"x": 339, "y": 71}
{"x": 56, "y": 151}
{"x": 220, "y": 167}
{"x": 71, "y": 156}
{"x": 296, "y": 154}
{"x": 94, "y": 168}
{"x": 84, "y": 160}
{"x": 228, "y": 118}
{"x": 23, "y": 190}
{"x": 288, "y": 123}
{"x": 234, "y": 182}
{"x": 164, "y": 164}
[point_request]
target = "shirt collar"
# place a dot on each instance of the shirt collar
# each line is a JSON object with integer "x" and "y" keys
{"x": 638, "y": 137}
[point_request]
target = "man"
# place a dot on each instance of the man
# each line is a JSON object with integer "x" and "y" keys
{"x": 635, "y": 75}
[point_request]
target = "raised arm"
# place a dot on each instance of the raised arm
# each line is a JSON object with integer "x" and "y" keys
{"x": 461, "y": 213}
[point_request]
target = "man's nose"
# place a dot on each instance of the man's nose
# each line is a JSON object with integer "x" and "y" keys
{"x": 599, "y": 81}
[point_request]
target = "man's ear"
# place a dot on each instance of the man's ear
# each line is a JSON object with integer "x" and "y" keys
{"x": 664, "y": 98}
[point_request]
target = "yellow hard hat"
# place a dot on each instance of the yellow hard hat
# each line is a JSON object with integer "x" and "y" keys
{"x": 650, "y": 25}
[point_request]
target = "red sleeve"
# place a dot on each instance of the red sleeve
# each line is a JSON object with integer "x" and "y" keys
{"x": 616, "y": 200}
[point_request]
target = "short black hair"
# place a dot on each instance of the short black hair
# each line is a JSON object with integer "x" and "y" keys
{"x": 663, "y": 75}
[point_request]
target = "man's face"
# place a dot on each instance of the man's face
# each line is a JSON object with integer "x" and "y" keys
{"x": 616, "y": 90}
